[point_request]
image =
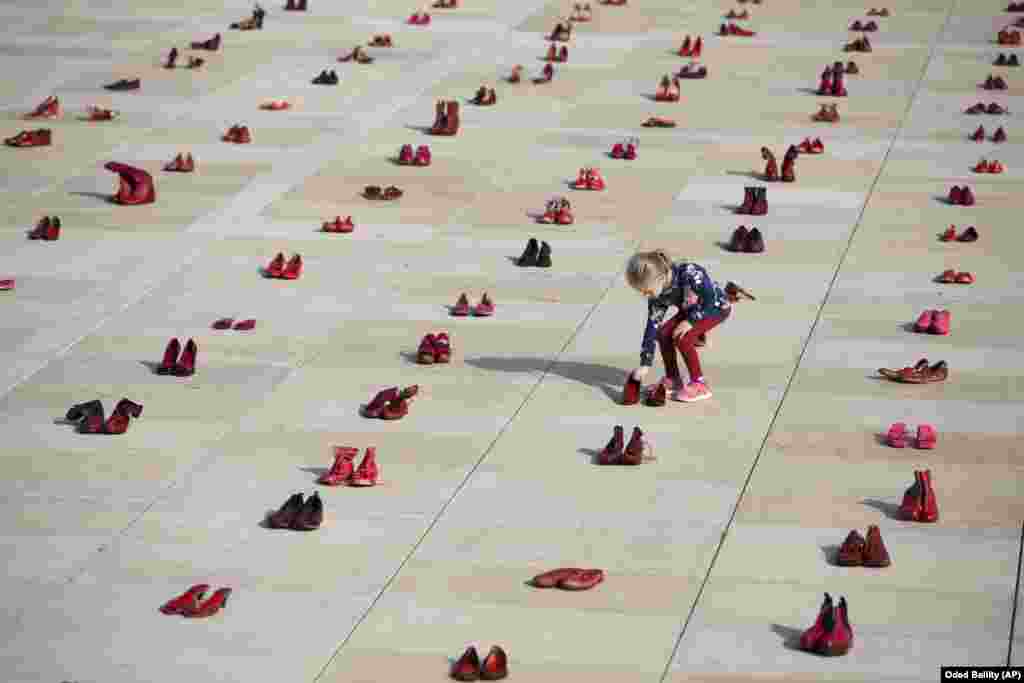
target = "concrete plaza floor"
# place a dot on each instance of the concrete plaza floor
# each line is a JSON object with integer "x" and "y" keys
{"x": 716, "y": 553}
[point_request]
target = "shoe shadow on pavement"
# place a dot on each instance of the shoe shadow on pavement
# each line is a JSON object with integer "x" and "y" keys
{"x": 420, "y": 129}
{"x": 606, "y": 378}
{"x": 790, "y": 636}
{"x": 747, "y": 174}
{"x": 890, "y": 510}
{"x": 591, "y": 453}
{"x": 831, "y": 554}
{"x": 318, "y": 471}
{"x": 105, "y": 196}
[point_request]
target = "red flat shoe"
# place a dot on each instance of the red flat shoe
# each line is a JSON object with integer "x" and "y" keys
{"x": 947, "y": 277}
{"x": 293, "y": 269}
{"x": 467, "y": 667}
{"x": 218, "y": 601}
{"x": 186, "y": 365}
{"x": 485, "y": 308}
{"x": 964, "y": 278}
{"x": 926, "y": 436}
{"x": 553, "y": 578}
{"x": 495, "y": 665}
{"x": 924, "y": 321}
{"x": 949, "y": 235}
{"x": 275, "y": 268}
{"x": 368, "y": 471}
{"x": 374, "y": 408}
{"x": 582, "y": 579}
{"x": 342, "y": 469}
{"x": 425, "y": 352}
{"x": 170, "y": 360}
{"x": 442, "y": 348}
{"x": 897, "y": 435}
{"x": 187, "y": 601}
{"x": 245, "y": 325}
{"x": 461, "y": 307}
{"x": 940, "y": 323}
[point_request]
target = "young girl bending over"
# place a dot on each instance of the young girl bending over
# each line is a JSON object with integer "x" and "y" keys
{"x": 702, "y": 305}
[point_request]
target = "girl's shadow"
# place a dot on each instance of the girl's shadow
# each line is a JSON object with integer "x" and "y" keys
{"x": 608, "y": 379}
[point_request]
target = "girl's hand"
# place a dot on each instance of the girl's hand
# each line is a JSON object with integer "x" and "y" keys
{"x": 682, "y": 328}
{"x": 640, "y": 373}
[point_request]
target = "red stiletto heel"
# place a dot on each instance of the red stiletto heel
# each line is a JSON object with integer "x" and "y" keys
{"x": 218, "y": 601}
{"x": 187, "y": 601}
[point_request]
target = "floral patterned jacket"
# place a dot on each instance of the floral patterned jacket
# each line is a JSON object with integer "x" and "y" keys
{"x": 689, "y": 281}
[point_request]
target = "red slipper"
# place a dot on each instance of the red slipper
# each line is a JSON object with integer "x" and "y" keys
{"x": 897, "y": 435}
{"x": 926, "y": 436}
{"x": 223, "y": 324}
{"x": 582, "y": 580}
{"x": 940, "y": 322}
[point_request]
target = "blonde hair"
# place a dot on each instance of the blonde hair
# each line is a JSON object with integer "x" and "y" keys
{"x": 649, "y": 270}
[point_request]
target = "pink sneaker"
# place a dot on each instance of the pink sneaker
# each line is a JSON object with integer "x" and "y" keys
{"x": 692, "y": 392}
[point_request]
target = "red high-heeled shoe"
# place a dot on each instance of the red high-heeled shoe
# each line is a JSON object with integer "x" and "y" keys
{"x": 466, "y": 667}
{"x": 495, "y": 665}
{"x": 210, "y": 607}
{"x": 276, "y": 267}
{"x": 186, "y": 365}
{"x": 187, "y": 601}
{"x": 838, "y": 640}
{"x": 293, "y": 269}
{"x": 368, "y": 471}
{"x": 119, "y": 420}
{"x": 929, "y": 512}
{"x": 170, "y": 358}
{"x": 910, "y": 508}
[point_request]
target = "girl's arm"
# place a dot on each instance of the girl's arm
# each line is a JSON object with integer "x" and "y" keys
{"x": 701, "y": 284}
{"x": 655, "y": 314}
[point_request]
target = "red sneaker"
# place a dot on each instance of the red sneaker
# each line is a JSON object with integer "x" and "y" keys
{"x": 368, "y": 471}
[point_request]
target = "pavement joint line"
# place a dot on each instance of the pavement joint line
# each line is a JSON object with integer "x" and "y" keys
{"x": 1016, "y": 598}
{"x": 807, "y": 342}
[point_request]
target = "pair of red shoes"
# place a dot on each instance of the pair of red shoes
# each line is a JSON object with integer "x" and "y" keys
{"x": 668, "y": 90}
{"x": 1007, "y": 37}
{"x": 589, "y": 179}
{"x": 239, "y": 135}
{"x": 625, "y": 150}
{"x": 732, "y": 29}
{"x": 953, "y": 277}
{"x": 483, "y": 309}
{"x": 994, "y": 83}
{"x": 180, "y": 366}
{"x": 993, "y": 108}
{"x": 961, "y": 196}
{"x": 48, "y": 229}
{"x": 857, "y": 551}
{"x": 421, "y": 157}
{"x": 49, "y": 109}
{"x": 968, "y": 235}
{"x": 569, "y": 579}
{"x": 191, "y": 604}
{"x": 419, "y": 19}
{"x": 831, "y": 635}
{"x": 897, "y": 436}
{"x": 933, "y": 322}
{"x": 281, "y": 270}
{"x": 213, "y": 44}
{"x": 468, "y": 667}
{"x": 557, "y": 211}
{"x": 31, "y": 138}
{"x": 755, "y": 202}
{"x": 391, "y": 404}
{"x": 337, "y": 225}
{"x": 979, "y": 135}
{"x": 90, "y": 420}
{"x": 434, "y": 348}
{"x": 343, "y": 471}
{"x": 617, "y": 452}
{"x": 828, "y": 113}
{"x": 988, "y": 167}
{"x": 809, "y": 146}
{"x": 688, "y": 49}
{"x": 95, "y": 113}
{"x": 229, "y": 323}
{"x": 181, "y": 164}
{"x": 919, "y": 503}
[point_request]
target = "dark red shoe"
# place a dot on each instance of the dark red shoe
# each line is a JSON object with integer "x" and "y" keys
{"x": 910, "y": 508}
{"x": 739, "y": 239}
{"x": 979, "y": 134}
{"x": 119, "y": 420}
{"x": 461, "y": 307}
{"x": 631, "y": 392}
{"x": 851, "y": 552}
{"x": 170, "y": 360}
{"x": 999, "y": 135}
{"x": 553, "y": 578}
{"x": 368, "y": 471}
{"x": 286, "y": 514}
{"x": 495, "y": 665}
{"x": 582, "y": 579}
{"x": 293, "y": 269}
{"x": 467, "y": 668}
{"x": 342, "y": 469}
{"x": 395, "y": 410}
{"x": 748, "y": 201}
{"x": 811, "y": 639}
{"x": 425, "y": 352}
{"x": 48, "y": 230}
{"x": 956, "y": 195}
{"x": 612, "y": 453}
{"x": 485, "y": 308}
{"x": 405, "y": 155}
{"x": 657, "y": 396}
{"x": 968, "y": 235}
{"x": 633, "y": 454}
{"x": 967, "y": 197}
{"x": 187, "y": 601}
{"x": 929, "y": 505}
{"x": 186, "y": 365}
{"x": 838, "y": 640}
{"x": 442, "y": 348}
{"x": 136, "y": 185}
{"x": 311, "y": 515}
{"x": 245, "y": 325}
{"x": 218, "y": 601}
{"x": 374, "y": 408}
{"x": 275, "y": 268}
{"x": 875, "y": 553}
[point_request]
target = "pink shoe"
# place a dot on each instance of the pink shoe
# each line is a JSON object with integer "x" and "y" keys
{"x": 926, "y": 436}
{"x": 692, "y": 392}
{"x": 940, "y": 322}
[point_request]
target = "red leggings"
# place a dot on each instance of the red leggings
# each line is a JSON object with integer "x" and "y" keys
{"x": 686, "y": 345}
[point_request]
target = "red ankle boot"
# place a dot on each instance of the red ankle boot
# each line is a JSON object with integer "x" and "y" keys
{"x": 812, "y": 637}
{"x": 929, "y": 506}
{"x": 405, "y": 155}
{"x": 838, "y": 640}
{"x": 293, "y": 270}
{"x": 467, "y": 667}
{"x": 170, "y": 358}
{"x": 612, "y": 453}
{"x": 187, "y": 601}
{"x": 967, "y": 197}
{"x": 218, "y": 601}
{"x": 186, "y": 365}
{"x": 368, "y": 471}
{"x": 910, "y": 508}
{"x": 342, "y": 469}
